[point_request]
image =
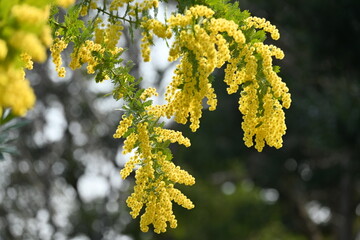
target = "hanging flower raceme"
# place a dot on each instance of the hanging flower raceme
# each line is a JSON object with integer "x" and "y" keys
{"x": 204, "y": 40}
{"x": 204, "y": 43}
{"x": 156, "y": 175}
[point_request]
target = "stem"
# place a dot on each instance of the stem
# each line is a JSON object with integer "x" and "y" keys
{"x": 113, "y": 16}
{"x": 57, "y": 24}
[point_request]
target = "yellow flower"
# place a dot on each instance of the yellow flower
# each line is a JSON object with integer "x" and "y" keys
{"x": 29, "y": 43}
{"x": 28, "y": 63}
{"x": 261, "y": 23}
{"x": 155, "y": 177}
{"x": 156, "y": 192}
{"x": 27, "y": 14}
{"x": 159, "y": 29}
{"x": 129, "y": 166}
{"x": 174, "y": 173}
{"x": 171, "y": 135}
{"x": 148, "y": 93}
{"x": 84, "y": 10}
{"x": 56, "y": 48}
{"x": 98, "y": 31}
{"x": 124, "y": 125}
{"x": 145, "y": 46}
{"x": 200, "y": 11}
{"x": 65, "y": 3}
{"x": 144, "y": 140}
{"x": 180, "y": 198}
{"x": 9, "y": 92}
{"x": 3, "y": 49}
{"x": 93, "y": 4}
{"x": 84, "y": 54}
{"x": 130, "y": 142}
{"x": 112, "y": 34}
{"x": 45, "y": 36}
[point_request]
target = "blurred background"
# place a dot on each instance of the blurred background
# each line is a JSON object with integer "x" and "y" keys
{"x": 65, "y": 183}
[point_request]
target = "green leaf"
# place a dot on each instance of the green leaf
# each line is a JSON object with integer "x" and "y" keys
{"x": 162, "y": 124}
{"x": 128, "y": 132}
{"x": 147, "y": 103}
{"x": 6, "y": 117}
{"x": 16, "y": 125}
{"x": 259, "y": 124}
{"x": 211, "y": 78}
{"x": 229, "y": 11}
{"x": 260, "y": 35}
{"x": 99, "y": 77}
{"x": 3, "y": 137}
{"x": 138, "y": 93}
{"x": 8, "y": 149}
{"x": 168, "y": 154}
{"x": 276, "y": 68}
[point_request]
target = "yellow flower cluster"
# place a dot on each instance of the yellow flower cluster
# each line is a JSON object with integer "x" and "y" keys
{"x": 65, "y": 3}
{"x": 192, "y": 13}
{"x": 269, "y": 127}
{"x": 152, "y": 26}
{"x": 84, "y": 10}
{"x": 93, "y": 4}
{"x": 261, "y": 23}
{"x": 149, "y": 92}
{"x": 84, "y": 54}
{"x": 13, "y": 82}
{"x": 263, "y": 117}
{"x": 28, "y": 63}
{"x": 129, "y": 166}
{"x": 155, "y": 190}
{"x": 108, "y": 36}
{"x": 99, "y": 32}
{"x": 144, "y": 140}
{"x": 130, "y": 142}
{"x": 56, "y": 48}
{"x": 185, "y": 94}
{"x": 29, "y": 43}
{"x": 279, "y": 88}
{"x": 31, "y": 15}
{"x": 157, "y": 27}
{"x": 46, "y": 36}
{"x": 235, "y": 76}
{"x": 174, "y": 173}
{"x": 115, "y": 4}
{"x": 172, "y": 136}
{"x": 25, "y": 38}
{"x": 134, "y": 8}
{"x": 145, "y": 46}
{"x": 156, "y": 175}
{"x": 124, "y": 124}
{"x": 113, "y": 34}
{"x": 202, "y": 48}
{"x": 143, "y": 6}
{"x": 202, "y": 43}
